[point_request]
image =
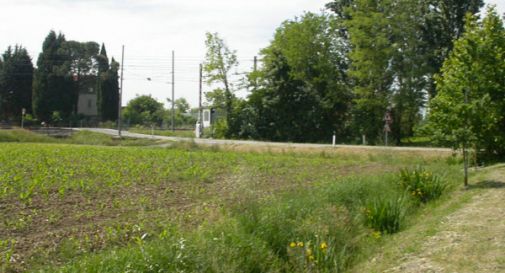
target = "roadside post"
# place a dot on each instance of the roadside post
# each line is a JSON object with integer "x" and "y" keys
{"x": 388, "y": 120}
{"x": 23, "y": 113}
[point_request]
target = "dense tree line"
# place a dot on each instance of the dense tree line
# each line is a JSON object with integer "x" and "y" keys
{"x": 147, "y": 111}
{"x": 50, "y": 92}
{"x": 16, "y": 75}
{"x": 342, "y": 71}
{"x": 63, "y": 68}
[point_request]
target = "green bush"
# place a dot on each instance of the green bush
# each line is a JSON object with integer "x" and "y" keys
{"x": 421, "y": 184}
{"x": 386, "y": 214}
{"x": 220, "y": 128}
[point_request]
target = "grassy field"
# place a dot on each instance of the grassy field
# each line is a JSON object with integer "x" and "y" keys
{"x": 78, "y": 137}
{"x": 76, "y": 208}
{"x": 170, "y": 133}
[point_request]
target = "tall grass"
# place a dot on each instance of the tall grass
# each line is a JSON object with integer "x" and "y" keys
{"x": 385, "y": 214}
{"x": 319, "y": 230}
{"x": 423, "y": 185}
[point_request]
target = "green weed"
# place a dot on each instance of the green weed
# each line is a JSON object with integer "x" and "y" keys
{"x": 423, "y": 185}
{"x": 385, "y": 215}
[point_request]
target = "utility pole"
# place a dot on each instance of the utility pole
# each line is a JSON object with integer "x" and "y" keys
{"x": 120, "y": 96}
{"x": 173, "y": 91}
{"x": 200, "y": 110}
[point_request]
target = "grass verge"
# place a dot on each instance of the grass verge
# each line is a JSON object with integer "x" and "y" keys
{"x": 79, "y": 137}
{"x": 106, "y": 209}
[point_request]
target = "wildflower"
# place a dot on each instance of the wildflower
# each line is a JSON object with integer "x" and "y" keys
{"x": 311, "y": 257}
{"x": 292, "y": 244}
{"x": 376, "y": 234}
{"x": 308, "y": 252}
{"x": 300, "y": 244}
{"x": 323, "y": 246}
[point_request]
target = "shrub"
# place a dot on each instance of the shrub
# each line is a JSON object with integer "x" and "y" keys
{"x": 385, "y": 214}
{"x": 421, "y": 184}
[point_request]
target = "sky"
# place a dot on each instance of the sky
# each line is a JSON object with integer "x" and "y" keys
{"x": 151, "y": 29}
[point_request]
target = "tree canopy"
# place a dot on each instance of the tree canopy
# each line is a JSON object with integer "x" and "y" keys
{"x": 144, "y": 110}
{"x": 301, "y": 92}
{"x": 469, "y": 109}
{"x": 16, "y": 77}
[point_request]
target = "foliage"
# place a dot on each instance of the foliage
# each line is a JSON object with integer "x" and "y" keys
{"x": 396, "y": 47}
{"x": 52, "y": 83}
{"x": 144, "y": 110}
{"x": 469, "y": 107}
{"x": 183, "y": 117}
{"x": 16, "y": 76}
{"x": 443, "y": 22}
{"x": 301, "y": 92}
{"x": 369, "y": 31}
{"x": 63, "y": 68}
{"x": 385, "y": 215}
{"x": 218, "y": 66}
{"x": 108, "y": 87}
{"x": 421, "y": 184}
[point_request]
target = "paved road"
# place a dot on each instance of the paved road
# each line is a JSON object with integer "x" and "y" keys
{"x": 204, "y": 141}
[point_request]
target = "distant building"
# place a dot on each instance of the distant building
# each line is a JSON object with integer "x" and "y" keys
{"x": 87, "y": 102}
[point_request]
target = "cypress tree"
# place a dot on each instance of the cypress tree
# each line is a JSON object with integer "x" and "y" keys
{"x": 108, "y": 92}
{"x": 52, "y": 86}
{"x": 16, "y": 81}
{"x": 1, "y": 88}
{"x": 113, "y": 91}
{"x": 103, "y": 75}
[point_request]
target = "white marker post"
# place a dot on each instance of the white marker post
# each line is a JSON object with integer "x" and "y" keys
{"x": 23, "y": 113}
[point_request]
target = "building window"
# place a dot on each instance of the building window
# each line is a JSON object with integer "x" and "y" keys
{"x": 90, "y": 104}
{"x": 206, "y": 116}
{"x": 91, "y": 90}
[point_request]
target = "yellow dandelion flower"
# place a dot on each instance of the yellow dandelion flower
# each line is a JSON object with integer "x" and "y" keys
{"x": 300, "y": 244}
{"x": 311, "y": 257}
{"x": 308, "y": 252}
{"x": 376, "y": 234}
{"x": 323, "y": 246}
{"x": 292, "y": 244}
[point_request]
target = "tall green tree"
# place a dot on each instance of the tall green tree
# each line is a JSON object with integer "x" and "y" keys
{"x": 108, "y": 87}
{"x": 53, "y": 86}
{"x": 302, "y": 93}
{"x": 218, "y": 67}
{"x": 408, "y": 91}
{"x": 16, "y": 78}
{"x": 469, "y": 109}
{"x": 443, "y": 23}
{"x": 144, "y": 110}
{"x": 397, "y": 46}
{"x": 370, "y": 32}
{"x": 103, "y": 69}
